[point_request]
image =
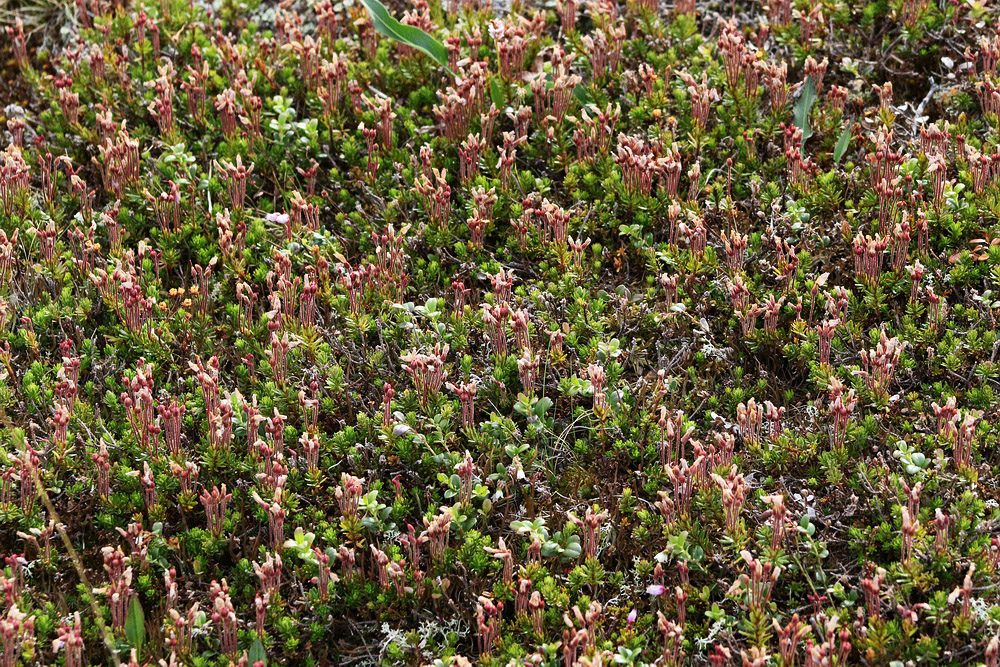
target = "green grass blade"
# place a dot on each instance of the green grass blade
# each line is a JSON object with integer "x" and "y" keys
{"x": 135, "y": 626}
{"x": 803, "y": 107}
{"x": 409, "y": 35}
{"x": 842, "y": 143}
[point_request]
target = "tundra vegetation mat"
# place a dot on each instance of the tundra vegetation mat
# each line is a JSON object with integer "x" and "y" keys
{"x": 583, "y": 334}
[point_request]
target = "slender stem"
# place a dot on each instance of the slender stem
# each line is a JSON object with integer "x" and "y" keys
{"x": 109, "y": 640}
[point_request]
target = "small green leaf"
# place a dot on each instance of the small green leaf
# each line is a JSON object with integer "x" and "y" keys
{"x": 582, "y": 95}
{"x": 496, "y": 93}
{"x": 257, "y": 653}
{"x": 409, "y": 35}
{"x": 135, "y": 625}
{"x": 543, "y": 404}
{"x": 842, "y": 143}
{"x": 803, "y": 107}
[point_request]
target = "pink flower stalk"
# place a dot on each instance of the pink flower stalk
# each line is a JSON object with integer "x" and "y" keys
{"x": 879, "y": 364}
{"x": 503, "y": 554}
{"x": 679, "y": 506}
{"x": 307, "y": 302}
{"x": 937, "y": 171}
{"x": 778, "y": 519}
{"x": 639, "y": 163}
{"x": 696, "y": 234}
{"x": 825, "y": 331}
{"x": 985, "y": 169}
{"x": 275, "y": 516}
{"x": 120, "y": 165}
{"x": 884, "y": 162}
{"x": 522, "y": 593}
{"x": 604, "y": 48}
{"x": 750, "y": 418}
{"x": 332, "y": 83}
{"x": 454, "y": 114}
{"x": 591, "y": 525}
{"x": 964, "y": 592}
{"x": 773, "y": 415}
{"x": 162, "y": 106}
{"x": 908, "y": 531}
{"x": 734, "y": 491}
{"x": 488, "y": 623}
{"x": 701, "y": 98}
{"x": 102, "y": 461}
{"x": 139, "y": 407}
{"x": 17, "y": 630}
{"x": 18, "y": 42}
{"x": 723, "y": 450}
{"x": 195, "y": 89}
{"x": 465, "y": 469}
{"x": 958, "y": 427}
{"x": 505, "y": 163}
{"x": 148, "y": 483}
{"x": 119, "y": 596}
{"x": 225, "y": 104}
{"x": 736, "y": 250}
{"x": 355, "y": 281}
{"x": 310, "y": 451}
{"x": 511, "y": 46}
{"x": 224, "y": 617}
{"x": 215, "y": 508}
{"x": 438, "y": 533}
{"x": 428, "y": 371}
{"x": 69, "y": 102}
{"x": 527, "y": 368}
{"x": 772, "y": 309}
{"x": 467, "y": 396}
{"x": 872, "y": 587}
{"x": 70, "y": 640}
{"x": 673, "y": 641}
{"x": 933, "y": 139}
{"x": 60, "y": 426}
{"x": 138, "y": 540}
{"x": 789, "y": 637}
{"x": 913, "y": 497}
{"x": 470, "y": 153}
{"x": 324, "y": 575}
{"x": 536, "y": 606}
{"x": 236, "y": 176}
{"x": 280, "y": 346}
{"x": 593, "y": 134}
{"x": 208, "y": 379}
{"x": 348, "y": 495}
{"x": 389, "y": 251}
{"x": 936, "y": 308}
{"x": 269, "y": 574}
{"x": 673, "y": 437}
{"x": 171, "y": 416}
{"x": 347, "y": 557}
{"x": 387, "y": 393}
{"x": 412, "y": 544}
{"x": 260, "y": 611}
{"x": 186, "y": 474}
{"x": 572, "y": 641}
{"x": 397, "y": 575}
{"x": 7, "y": 250}
{"x": 841, "y": 408}
{"x": 941, "y": 522}
{"x": 758, "y": 584}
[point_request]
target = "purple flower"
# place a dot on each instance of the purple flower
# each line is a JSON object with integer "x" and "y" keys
{"x": 280, "y": 218}
{"x": 631, "y": 617}
{"x": 656, "y": 590}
